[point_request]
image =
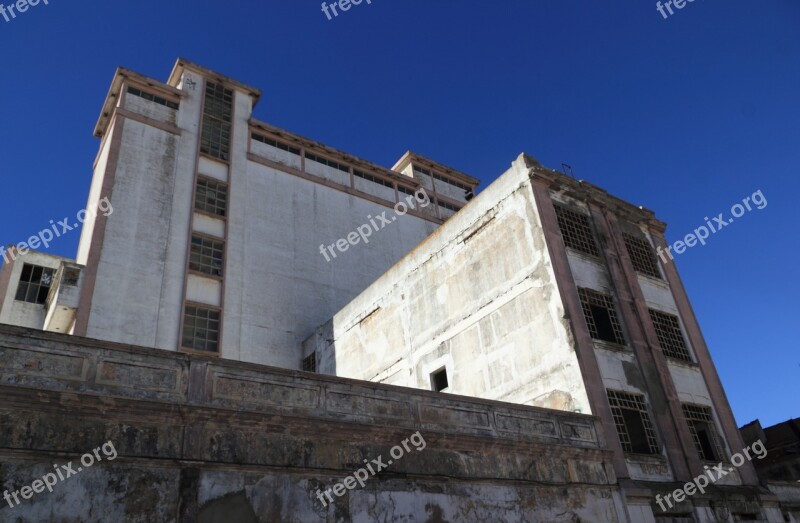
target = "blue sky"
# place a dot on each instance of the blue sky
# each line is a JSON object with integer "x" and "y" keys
{"x": 686, "y": 116}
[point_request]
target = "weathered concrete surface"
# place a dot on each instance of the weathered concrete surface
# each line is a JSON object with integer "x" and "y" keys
{"x": 201, "y": 439}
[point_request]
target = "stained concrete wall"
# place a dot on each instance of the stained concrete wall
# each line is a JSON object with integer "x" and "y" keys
{"x": 207, "y": 440}
{"x": 22, "y": 313}
{"x": 479, "y": 298}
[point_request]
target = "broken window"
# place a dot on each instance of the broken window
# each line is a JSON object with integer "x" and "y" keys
{"x": 704, "y": 432}
{"x": 439, "y": 380}
{"x": 601, "y": 316}
{"x": 34, "y": 284}
{"x": 576, "y": 231}
{"x": 201, "y": 328}
{"x": 310, "y": 362}
{"x": 206, "y": 256}
{"x": 211, "y": 196}
{"x": 642, "y": 256}
{"x": 636, "y": 433}
{"x": 670, "y": 336}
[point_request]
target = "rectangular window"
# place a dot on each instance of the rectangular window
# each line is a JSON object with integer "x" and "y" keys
{"x": 276, "y": 144}
{"x": 670, "y": 336}
{"x": 601, "y": 316}
{"x": 153, "y": 98}
{"x": 439, "y": 380}
{"x": 329, "y": 163}
{"x": 576, "y": 231}
{"x": 34, "y": 284}
{"x": 206, "y": 256}
{"x": 310, "y": 363}
{"x": 642, "y": 256}
{"x": 704, "y": 432}
{"x": 448, "y": 206}
{"x": 217, "y": 117}
{"x": 636, "y": 433}
{"x": 444, "y": 179}
{"x": 406, "y": 190}
{"x": 201, "y": 328}
{"x": 371, "y": 178}
{"x": 211, "y": 197}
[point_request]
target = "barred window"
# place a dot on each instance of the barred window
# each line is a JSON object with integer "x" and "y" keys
{"x": 576, "y": 231}
{"x": 371, "y": 178}
{"x": 642, "y": 256}
{"x": 636, "y": 433}
{"x": 217, "y": 116}
{"x": 704, "y": 432}
{"x": 276, "y": 144}
{"x": 601, "y": 316}
{"x": 310, "y": 362}
{"x": 201, "y": 328}
{"x": 34, "y": 284}
{"x": 670, "y": 336}
{"x": 206, "y": 256}
{"x": 211, "y": 197}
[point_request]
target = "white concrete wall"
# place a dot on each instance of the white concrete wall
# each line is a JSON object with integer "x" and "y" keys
{"x": 494, "y": 321}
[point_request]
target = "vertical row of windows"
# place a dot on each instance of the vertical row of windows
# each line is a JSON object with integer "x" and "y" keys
{"x": 217, "y": 116}
{"x": 34, "y": 284}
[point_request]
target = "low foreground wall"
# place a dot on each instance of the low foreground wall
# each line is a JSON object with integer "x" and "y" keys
{"x": 201, "y": 439}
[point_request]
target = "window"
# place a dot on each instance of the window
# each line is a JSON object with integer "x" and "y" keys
{"x": 423, "y": 171}
{"x": 439, "y": 380}
{"x": 276, "y": 144}
{"x": 406, "y": 190}
{"x": 329, "y": 163}
{"x": 642, "y": 256}
{"x": 153, "y": 98}
{"x": 448, "y": 206}
{"x": 576, "y": 231}
{"x": 34, "y": 284}
{"x": 376, "y": 179}
{"x": 704, "y": 432}
{"x": 217, "y": 116}
{"x": 206, "y": 256}
{"x": 211, "y": 197}
{"x": 601, "y": 316}
{"x": 670, "y": 337}
{"x": 310, "y": 363}
{"x": 201, "y": 327}
{"x": 635, "y": 431}
{"x": 449, "y": 181}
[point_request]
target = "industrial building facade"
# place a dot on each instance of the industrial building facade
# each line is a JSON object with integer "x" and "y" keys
{"x": 541, "y": 291}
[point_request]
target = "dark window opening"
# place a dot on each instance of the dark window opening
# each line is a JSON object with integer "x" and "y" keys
{"x": 215, "y": 140}
{"x": 576, "y": 231}
{"x": 439, "y": 380}
{"x": 310, "y": 363}
{"x": 642, "y": 256}
{"x": 211, "y": 197}
{"x": 601, "y": 316}
{"x": 635, "y": 431}
{"x": 206, "y": 256}
{"x": 670, "y": 336}
{"x": 34, "y": 284}
{"x": 704, "y": 432}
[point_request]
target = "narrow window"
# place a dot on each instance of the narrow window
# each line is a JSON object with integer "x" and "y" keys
{"x": 670, "y": 336}
{"x": 34, "y": 284}
{"x": 201, "y": 328}
{"x": 217, "y": 116}
{"x": 206, "y": 256}
{"x": 211, "y": 196}
{"x": 439, "y": 380}
{"x": 576, "y": 231}
{"x": 704, "y": 432}
{"x": 642, "y": 256}
{"x": 636, "y": 433}
{"x": 601, "y": 316}
{"x": 310, "y": 363}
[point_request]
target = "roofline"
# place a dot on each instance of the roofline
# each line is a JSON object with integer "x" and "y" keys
{"x": 411, "y": 156}
{"x": 182, "y": 64}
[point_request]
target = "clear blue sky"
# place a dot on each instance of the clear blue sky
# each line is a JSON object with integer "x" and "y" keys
{"x": 685, "y": 116}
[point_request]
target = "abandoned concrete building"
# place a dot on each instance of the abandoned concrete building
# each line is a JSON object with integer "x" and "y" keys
{"x": 560, "y": 372}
